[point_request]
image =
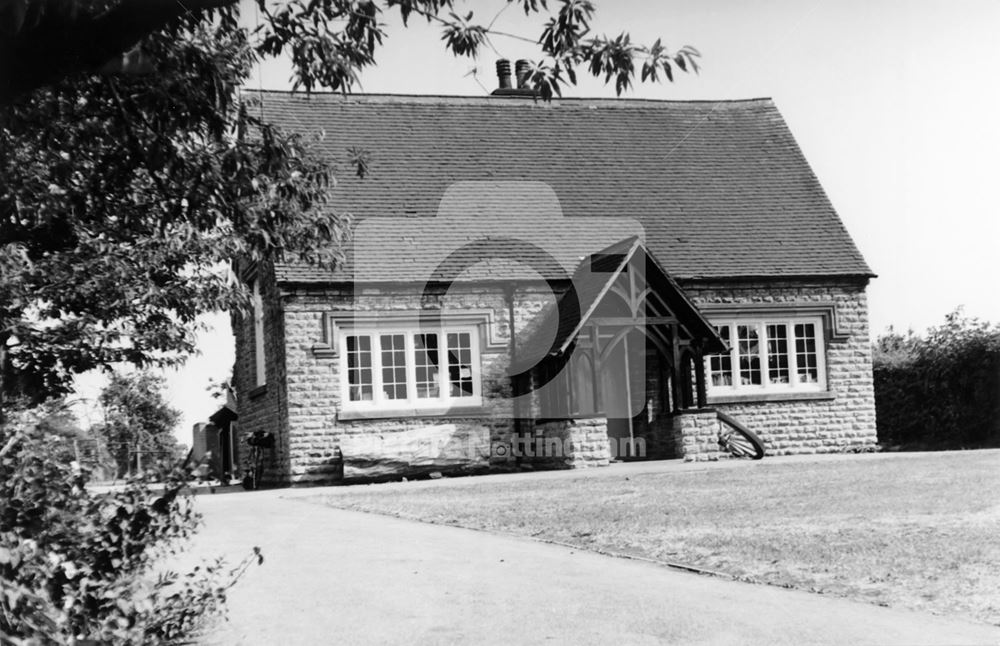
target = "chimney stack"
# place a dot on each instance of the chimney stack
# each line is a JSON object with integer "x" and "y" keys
{"x": 503, "y": 73}
{"x": 521, "y": 69}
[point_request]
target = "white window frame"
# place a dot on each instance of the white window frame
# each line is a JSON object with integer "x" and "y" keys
{"x": 766, "y": 387}
{"x": 379, "y": 401}
{"x": 260, "y": 364}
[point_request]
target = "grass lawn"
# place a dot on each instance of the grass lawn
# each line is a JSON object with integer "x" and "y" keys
{"x": 908, "y": 531}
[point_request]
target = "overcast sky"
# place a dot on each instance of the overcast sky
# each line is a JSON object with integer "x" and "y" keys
{"x": 894, "y": 103}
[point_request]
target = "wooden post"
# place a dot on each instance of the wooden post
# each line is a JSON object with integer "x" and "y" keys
{"x": 678, "y": 372}
{"x": 595, "y": 366}
{"x": 628, "y": 390}
{"x": 699, "y": 371}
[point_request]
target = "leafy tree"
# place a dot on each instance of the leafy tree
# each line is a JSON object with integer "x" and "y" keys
{"x": 132, "y": 168}
{"x": 330, "y": 41}
{"x": 139, "y": 424}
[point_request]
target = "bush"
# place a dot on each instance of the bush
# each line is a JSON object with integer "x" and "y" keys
{"x": 939, "y": 391}
{"x": 78, "y": 568}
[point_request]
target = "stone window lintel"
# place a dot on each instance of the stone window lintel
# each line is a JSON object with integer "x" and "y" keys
{"x": 336, "y": 322}
{"x": 827, "y": 311}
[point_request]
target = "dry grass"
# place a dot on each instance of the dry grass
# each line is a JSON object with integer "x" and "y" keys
{"x": 919, "y": 532}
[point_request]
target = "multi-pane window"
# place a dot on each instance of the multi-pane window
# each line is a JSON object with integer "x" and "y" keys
{"x": 359, "y": 368}
{"x": 720, "y": 366}
{"x": 806, "y": 356}
{"x": 777, "y": 353}
{"x": 767, "y": 356}
{"x": 393, "y": 366}
{"x": 460, "y": 364}
{"x": 748, "y": 354}
{"x": 403, "y": 369}
{"x": 425, "y": 359}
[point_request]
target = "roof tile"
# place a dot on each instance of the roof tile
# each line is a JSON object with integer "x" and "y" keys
{"x": 718, "y": 189}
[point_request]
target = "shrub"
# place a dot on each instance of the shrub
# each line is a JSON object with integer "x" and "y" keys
{"x": 79, "y": 568}
{"x": 941, "y": 390}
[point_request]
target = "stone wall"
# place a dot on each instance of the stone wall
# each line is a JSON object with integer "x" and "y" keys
{"x": 316, "y": 443}
{"x": 842, "y": 419}
{"x": 390, "y": 448}
{"x": 317, "y": 438}
{"x": 568, "y": 444}
{"x": 262, "y": 407}
{"x": 696, "y": 433}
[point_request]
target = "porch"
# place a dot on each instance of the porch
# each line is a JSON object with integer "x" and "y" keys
{"x": 622, "y": 373}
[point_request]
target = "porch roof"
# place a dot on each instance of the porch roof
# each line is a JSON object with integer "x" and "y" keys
{"x": 556, "y": 328}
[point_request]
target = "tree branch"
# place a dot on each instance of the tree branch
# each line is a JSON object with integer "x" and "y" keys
{"x": 68, "y": 42}
{"x": 136, "y": 145}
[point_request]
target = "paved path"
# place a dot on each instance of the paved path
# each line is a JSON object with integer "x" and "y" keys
{"x": 340, "y": 577}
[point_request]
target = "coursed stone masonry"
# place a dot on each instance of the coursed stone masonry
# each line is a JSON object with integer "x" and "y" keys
{"x": 315, "y": 441}
{"x": 570, "y": 443}
{"x": 843, "y": 419}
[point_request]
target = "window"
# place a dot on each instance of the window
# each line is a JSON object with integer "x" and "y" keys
{"x": 425, "y": 352}
{"x": 769, "y": 356}
{"x": 258, "y": 335}
{"x": 399, "y": 369}
{"x": 393, "y": 365}
{"x": 359, "y": 368}
{"x": 460, "y": 364}
{"x": 720, "y": 366}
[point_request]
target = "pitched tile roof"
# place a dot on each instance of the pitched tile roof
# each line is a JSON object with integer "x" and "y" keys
{"x": 718, "y": 189}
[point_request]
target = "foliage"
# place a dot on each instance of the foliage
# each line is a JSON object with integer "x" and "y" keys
{"x": 941, "y": 390}
{"x": 139, "y": 424}
{"x": 132, "y": 169}
{"x": 111, "y": 251}
{"x": 75, "y": 565}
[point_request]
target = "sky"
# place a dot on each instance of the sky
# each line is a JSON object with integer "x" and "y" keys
{"x": 894, "y": 103}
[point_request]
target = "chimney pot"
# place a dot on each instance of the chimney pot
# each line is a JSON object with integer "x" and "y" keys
{"x": 503, "y": 73}
{"x": 521, "y": 69}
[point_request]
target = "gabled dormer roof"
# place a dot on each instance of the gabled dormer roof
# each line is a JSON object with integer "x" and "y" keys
{"x": 720, "y": 189}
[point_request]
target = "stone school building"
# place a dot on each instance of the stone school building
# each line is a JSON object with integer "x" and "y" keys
{"x": 557, "y": 285}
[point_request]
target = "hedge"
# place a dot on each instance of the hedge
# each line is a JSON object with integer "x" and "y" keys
{"x": 941, "y": 390}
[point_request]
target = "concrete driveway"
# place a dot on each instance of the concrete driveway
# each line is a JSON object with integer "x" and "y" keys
{"x": 340, "y": 577}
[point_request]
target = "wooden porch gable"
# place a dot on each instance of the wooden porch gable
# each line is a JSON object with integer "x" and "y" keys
{"x": 619, "y": 290}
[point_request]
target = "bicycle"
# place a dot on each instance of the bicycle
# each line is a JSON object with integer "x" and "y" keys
{"x": 738, "y": 440}
{"x": 257, "y": 442}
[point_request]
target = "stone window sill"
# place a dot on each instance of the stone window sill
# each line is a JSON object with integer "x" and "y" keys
{"x": 412, "y": 413}
{"x": 825, "y": 395}
{"x": 259, "y": 391}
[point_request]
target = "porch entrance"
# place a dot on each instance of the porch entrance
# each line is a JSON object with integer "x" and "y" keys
{"x": 635, "y": 357}
{"x": 635, "y": 386}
